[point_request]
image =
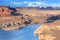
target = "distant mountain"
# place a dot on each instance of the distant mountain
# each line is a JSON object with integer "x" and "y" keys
{"x": 50, "y": 8}
{"x": 38, "y": 8}
{"x": 41, "y": 8}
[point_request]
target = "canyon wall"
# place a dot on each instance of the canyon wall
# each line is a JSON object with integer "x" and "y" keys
{"x": 17, "y": 18}
{"x": 25, "y": 16}
{"x": 49, "y": 31}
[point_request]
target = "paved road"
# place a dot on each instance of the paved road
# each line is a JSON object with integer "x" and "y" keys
{"x": 26, "y": 33}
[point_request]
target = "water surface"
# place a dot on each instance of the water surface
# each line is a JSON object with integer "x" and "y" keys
{"x": 26, "y": 33}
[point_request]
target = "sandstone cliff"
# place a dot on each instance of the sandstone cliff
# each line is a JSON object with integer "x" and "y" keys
{"x": 15, "y": 18}
{"x": 49, "y": 31}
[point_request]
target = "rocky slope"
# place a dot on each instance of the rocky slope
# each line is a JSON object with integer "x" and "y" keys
{"x": 49, "y": 31}
{"x": 15, "y": 18}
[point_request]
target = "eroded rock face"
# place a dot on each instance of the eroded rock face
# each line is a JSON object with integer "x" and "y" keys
{"x": 5, "y": 11}
{"x": 15, "y": 18}
{"x": 49, "y": 31}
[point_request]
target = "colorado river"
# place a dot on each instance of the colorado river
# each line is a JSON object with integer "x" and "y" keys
{"x": 26, "y": 33}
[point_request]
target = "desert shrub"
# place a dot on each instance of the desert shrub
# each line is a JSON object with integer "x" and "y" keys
{"x": 53, "y": 18}
{"x": 15, "y": 13}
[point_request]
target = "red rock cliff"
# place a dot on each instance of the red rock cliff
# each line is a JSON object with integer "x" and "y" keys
{"x": 5, "y": 11}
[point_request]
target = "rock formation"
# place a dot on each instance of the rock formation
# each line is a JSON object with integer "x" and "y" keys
{"x": 49, "y": 31}
{"x": 5, "y": 11}
{"x": 16, "y": 18}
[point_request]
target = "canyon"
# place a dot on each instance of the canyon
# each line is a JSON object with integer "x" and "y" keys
{"x": 49, "y": 31}
{"x": 26, "y": 16}
{"x": 17, "y": 18}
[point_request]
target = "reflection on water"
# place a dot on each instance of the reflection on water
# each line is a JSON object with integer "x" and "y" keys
{"x": 26, "y": 33}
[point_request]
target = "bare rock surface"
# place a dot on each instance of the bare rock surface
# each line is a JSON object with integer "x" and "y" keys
{"x": 16, "y": 18}
{"x": 49, "y": 31}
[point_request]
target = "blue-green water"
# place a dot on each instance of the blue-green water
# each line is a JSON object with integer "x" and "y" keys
{"x": 26, "y": 33}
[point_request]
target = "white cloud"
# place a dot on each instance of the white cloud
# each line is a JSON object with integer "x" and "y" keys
{"x": 30, "y": 4}
{"x": 16, "y": 2}
{"x": 33, "y": 4}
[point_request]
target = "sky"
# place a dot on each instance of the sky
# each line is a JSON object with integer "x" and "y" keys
{"x": 30, "y": 3}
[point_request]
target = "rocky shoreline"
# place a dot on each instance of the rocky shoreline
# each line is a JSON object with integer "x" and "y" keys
{"x": 16, "y": 18}
{"x": 49, "y": 31}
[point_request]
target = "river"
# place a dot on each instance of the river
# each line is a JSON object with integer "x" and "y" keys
{"x": 26, "y": 33}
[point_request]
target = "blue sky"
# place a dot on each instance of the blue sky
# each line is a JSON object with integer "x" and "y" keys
{"x": 29, "y": 3}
